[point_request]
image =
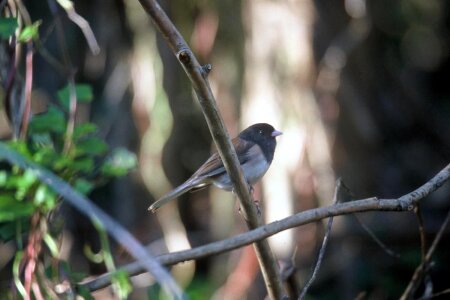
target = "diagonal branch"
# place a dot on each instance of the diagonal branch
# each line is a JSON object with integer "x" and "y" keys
{"x": 404, "y": 203}
{"x": 84, "y": 205}
{"x": 324, "y": 243}
{"x": 197, "y": 75}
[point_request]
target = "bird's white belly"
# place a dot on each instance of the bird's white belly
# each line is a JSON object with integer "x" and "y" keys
{"x": 253, "y": 171}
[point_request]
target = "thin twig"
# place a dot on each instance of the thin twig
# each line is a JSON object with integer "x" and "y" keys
{"x": 376, "y": 239}
{"x": 197, "y": 75}
{"x": 424, "y": 264}
{"x": 423, "y": 242}
{"x": 82, "y": 23}
{"x": 85, "y": 206}
{"x": 313, "y": 215}
{"x": 28, "y": 89}
{"x": 70, "y": 74}
{"x": 444, "y": 292}
{"x": 324, "y": 244}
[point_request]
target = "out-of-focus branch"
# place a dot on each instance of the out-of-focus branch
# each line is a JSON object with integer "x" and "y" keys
{"x": 404, "y": 203}
{"x": 324, "y": 243}
{"x": 82, "y": 23}
{"x": 85, "y": 206}
{"x": 197, "y": 75}
{"x": 376, "y": 239}
{"x": 420, "y": 270}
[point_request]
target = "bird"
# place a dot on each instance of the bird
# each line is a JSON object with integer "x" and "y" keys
{"x": 255, "y": 148}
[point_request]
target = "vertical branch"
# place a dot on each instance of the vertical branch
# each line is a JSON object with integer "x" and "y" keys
{"x": 28, "y": 89}
{"x": 221, "y": 138}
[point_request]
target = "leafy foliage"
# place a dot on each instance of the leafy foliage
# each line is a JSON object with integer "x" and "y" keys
{"x": 83, "y": 93}
{"x": 85, "y": 164}
{"x": 7, "y": 27}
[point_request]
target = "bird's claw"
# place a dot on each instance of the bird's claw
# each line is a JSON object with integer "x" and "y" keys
{"x": 258, "y": 207}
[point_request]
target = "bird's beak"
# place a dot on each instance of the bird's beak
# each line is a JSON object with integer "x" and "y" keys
{"x": 276, "y": 133}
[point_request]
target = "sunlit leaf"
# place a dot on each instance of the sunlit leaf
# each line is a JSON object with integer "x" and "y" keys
{"x": 23, "y": 183}
{"x": 119, "y": 163}
{"x": 30, "y": 32}
{"x": 45, "y": 198}
{"x": 122, "y": 282}
{"x": 3, "y": 178}
{"x": 83, "y": 186}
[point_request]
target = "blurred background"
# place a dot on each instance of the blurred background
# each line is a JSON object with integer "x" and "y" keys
{"x": 359, "y": 88}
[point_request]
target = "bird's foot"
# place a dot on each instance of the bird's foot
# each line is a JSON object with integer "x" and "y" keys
{"x": 258, "y": 207}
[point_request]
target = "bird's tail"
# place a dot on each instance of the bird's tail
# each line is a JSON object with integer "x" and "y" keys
{"x": 183, "y": 188}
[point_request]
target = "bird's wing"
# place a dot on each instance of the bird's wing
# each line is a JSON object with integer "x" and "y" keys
{"x": 214, "y": 166}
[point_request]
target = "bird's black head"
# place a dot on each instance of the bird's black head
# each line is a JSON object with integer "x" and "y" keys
{"x": 264, "y": 135}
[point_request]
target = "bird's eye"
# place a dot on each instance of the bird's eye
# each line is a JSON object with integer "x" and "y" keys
{"x": 260, "y": 131}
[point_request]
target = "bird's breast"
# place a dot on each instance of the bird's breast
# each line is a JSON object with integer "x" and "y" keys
{"x": 253, "y": 170}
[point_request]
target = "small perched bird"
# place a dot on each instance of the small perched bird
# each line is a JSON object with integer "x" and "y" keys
{"x": 254, "y": 146}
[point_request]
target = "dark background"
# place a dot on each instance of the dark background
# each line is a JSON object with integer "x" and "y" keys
{"x": 377, "y": 76}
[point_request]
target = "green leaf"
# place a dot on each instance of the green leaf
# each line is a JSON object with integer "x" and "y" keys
{"x": 7, "y": 27}
{"x": 8, "y": 230}
{"x": 83, "y": 130}
{"x": 3, "y": 178}
{"x": 83, "y": 165}
{"x": 119, "y": 163}
{"x": 91, "y": 146}
{"x": 83, "y": 186}
{"x": 11, "y": 209}
{"x": 21, "y": 147}
{"x": 84, "y": 293}
{"x": 83, "y": 93}
{"x": 45, "y": 198}
{"x": 30, "y": 32}
{"x": 23, "y": 183}
{"x": 122, "y": 282}
{"x": 51, "y": 121}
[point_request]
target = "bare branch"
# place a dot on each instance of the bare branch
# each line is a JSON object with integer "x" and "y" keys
{"x": 324, "y": 244}
{"x": 418, "y": 273}
{"x": 197, "y": 75}
{"x": 82, "y": 23}
{"x": 377, "y": 240}
{"x": 84, "y": 205}
{"x": 313, "y": 215}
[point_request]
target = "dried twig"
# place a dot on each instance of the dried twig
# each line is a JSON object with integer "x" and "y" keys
{"x": 404, "y": 203}
{"x": 197, "y": 75}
